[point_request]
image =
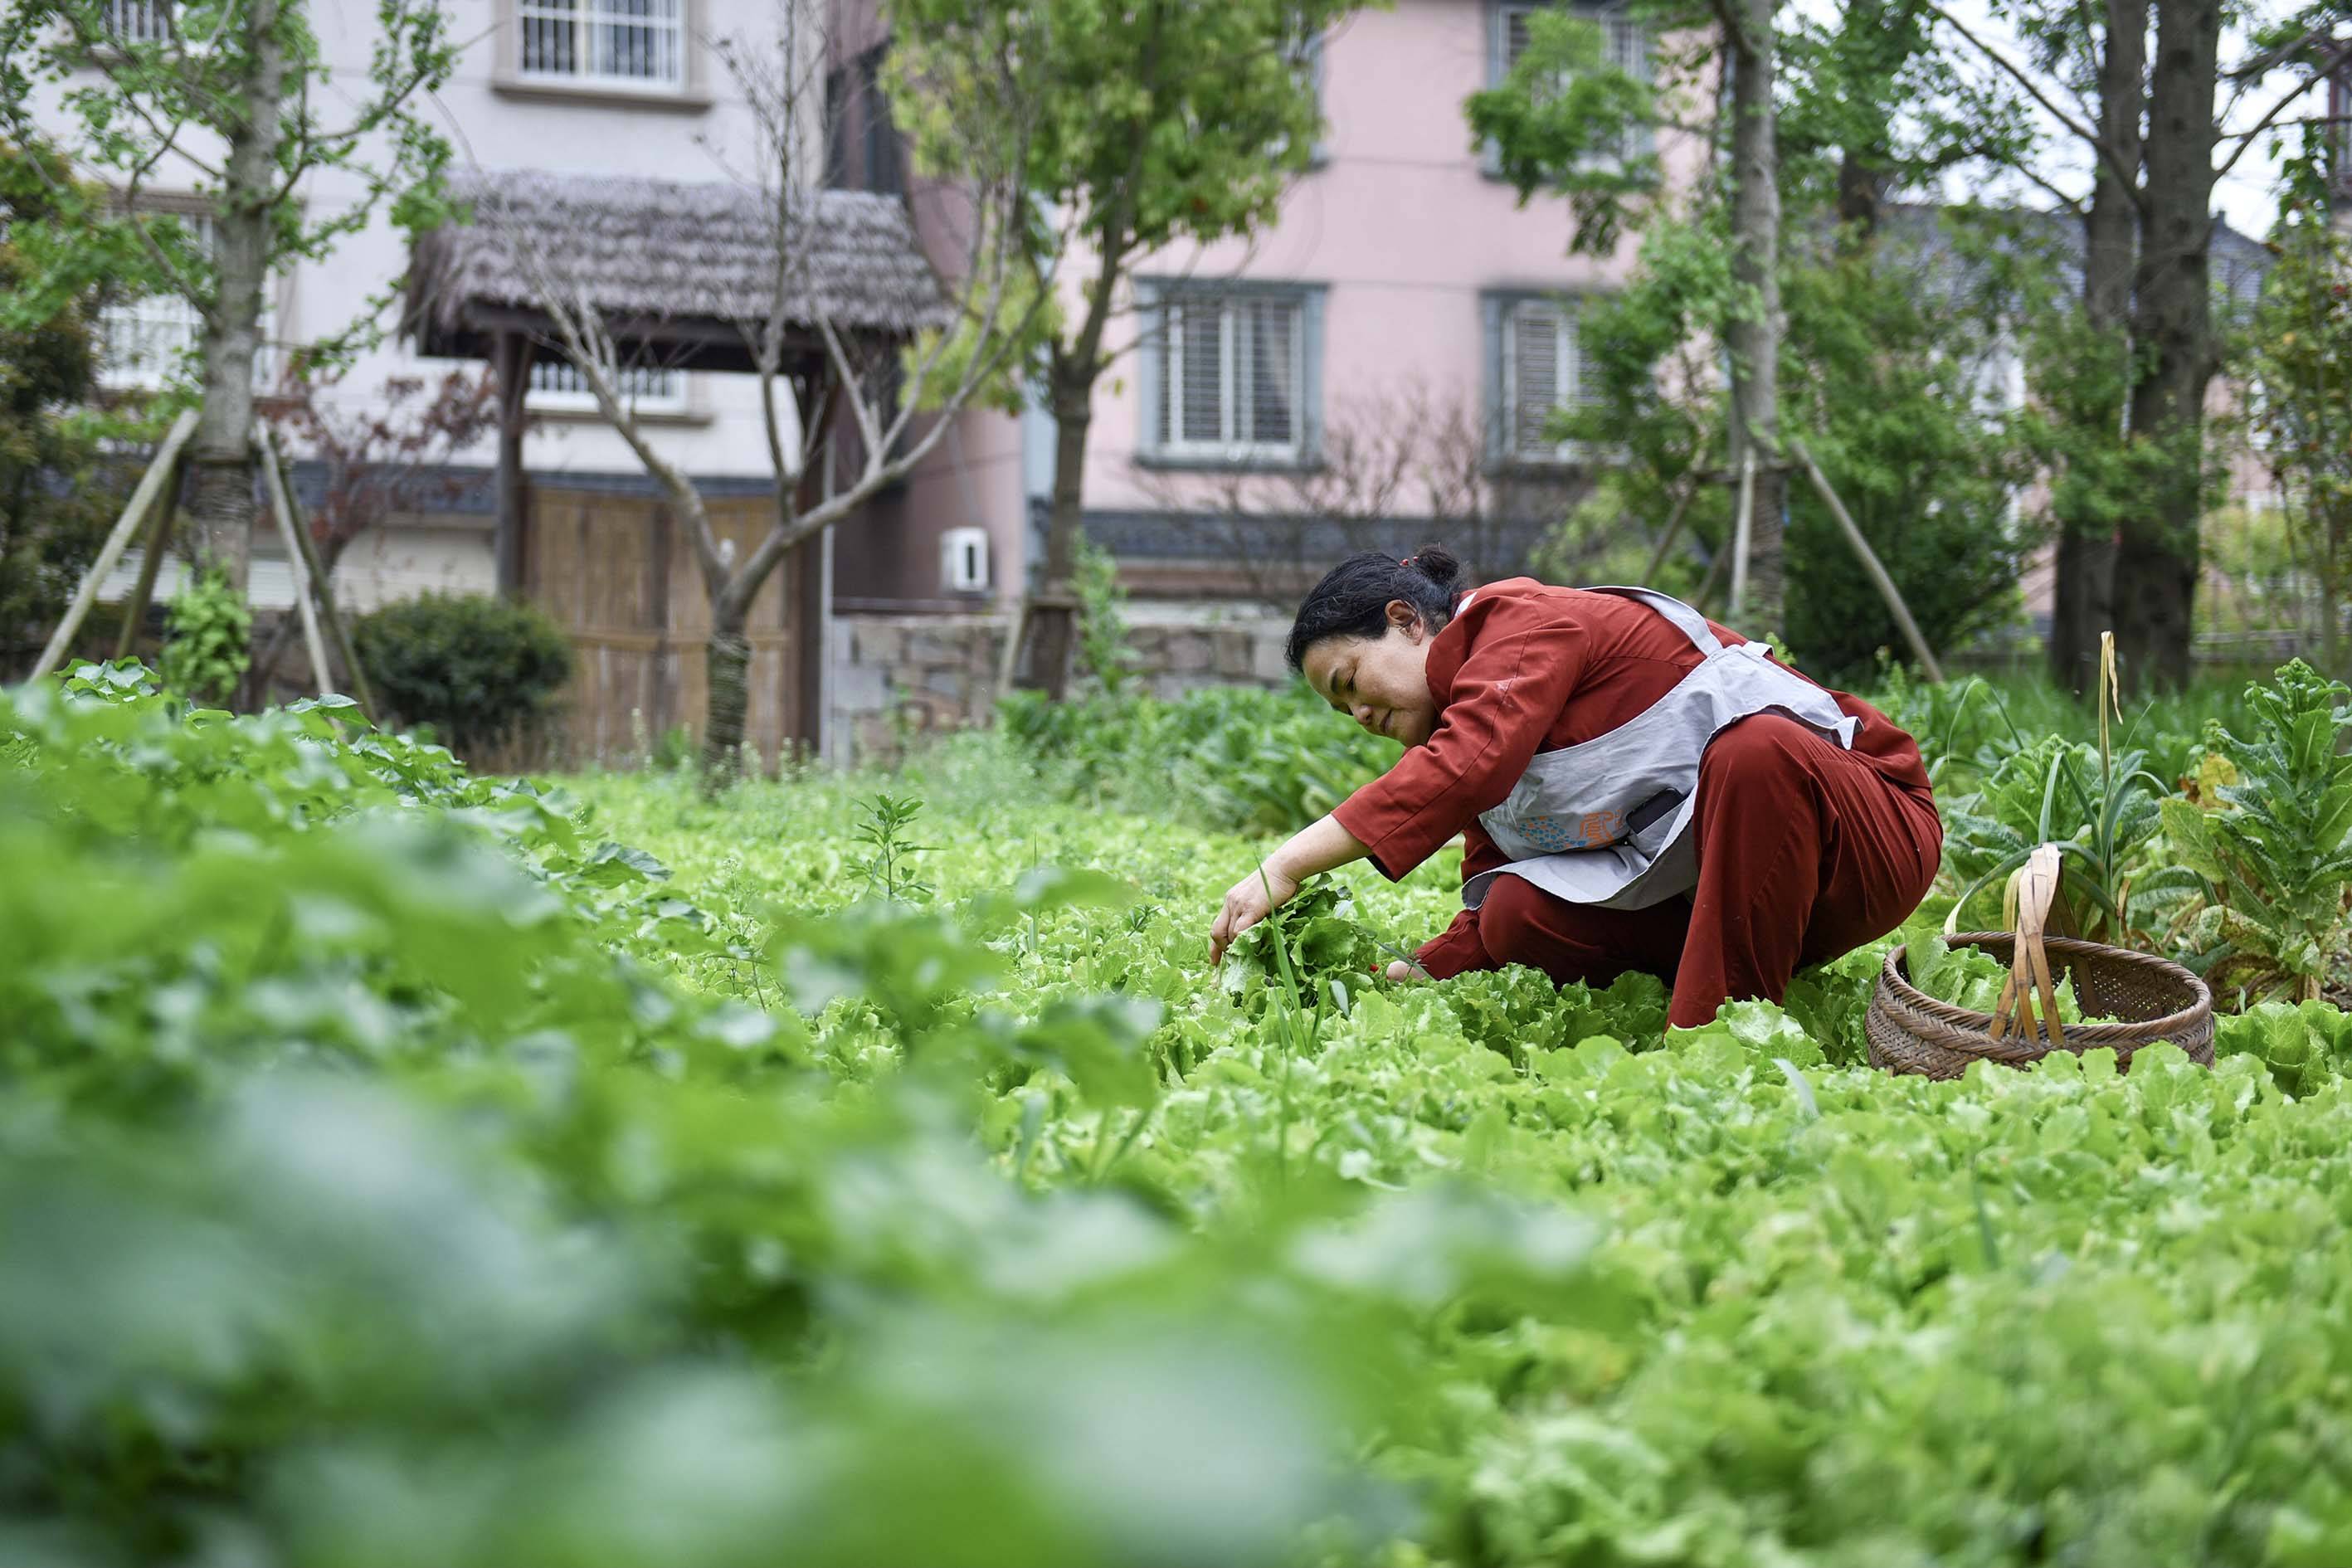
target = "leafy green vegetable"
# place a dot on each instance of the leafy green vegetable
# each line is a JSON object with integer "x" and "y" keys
{"x": 406, "y": 1167}
{"x": 2274, "y": 849}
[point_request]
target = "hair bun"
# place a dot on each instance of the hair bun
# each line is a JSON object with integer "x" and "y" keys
{"x": 1437, "y": 563}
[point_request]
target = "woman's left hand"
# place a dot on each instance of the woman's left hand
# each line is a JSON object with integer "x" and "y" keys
{"x": 1251, "y": 899}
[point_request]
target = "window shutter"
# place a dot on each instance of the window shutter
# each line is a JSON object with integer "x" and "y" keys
{"x": 1490, "y": 312}
{"x": 1196, "y": 392}
{"x": 1589, "y": 388}
{"x": 1268, "y": 384}
{"x": 1310, "y": 378}
{"x": 1536, "y": 377}
{"x": 1515, "y": 35}
{"x": 1629, "y": 51}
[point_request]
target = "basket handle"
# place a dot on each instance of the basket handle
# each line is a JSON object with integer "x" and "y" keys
{"x": 2025, "y": 909}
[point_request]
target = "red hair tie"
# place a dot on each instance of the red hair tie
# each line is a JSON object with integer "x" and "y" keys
{"x": 1408, "y": 559}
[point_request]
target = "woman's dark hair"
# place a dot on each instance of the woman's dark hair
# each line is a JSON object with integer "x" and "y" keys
{"x": 1353, "y": 599}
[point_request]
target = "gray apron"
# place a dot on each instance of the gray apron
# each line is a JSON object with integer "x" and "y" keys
{"x": 1609, "y": 821}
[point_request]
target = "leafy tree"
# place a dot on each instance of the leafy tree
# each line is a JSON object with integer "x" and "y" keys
{"x": 1892, "y": 361}
{"x": 238, "y": 98}
{"x": 1880, "y": 351}
{"x": 53, "y": 508}
{"x": 1810, "y": 120}
{"x": 1560, "y": 121}
{"x": 1162, "y": 123}
{"x": 2138, "y": 89}
{"x": 2299, "y": 385}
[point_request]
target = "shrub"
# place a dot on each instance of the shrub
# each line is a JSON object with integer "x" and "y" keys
{"x": 207, "y": 633}
{"x": 480, "y": 670}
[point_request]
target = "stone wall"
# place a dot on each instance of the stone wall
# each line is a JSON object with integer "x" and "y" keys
{"x": 898, "y": 678}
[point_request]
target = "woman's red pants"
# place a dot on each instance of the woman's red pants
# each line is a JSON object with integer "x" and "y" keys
{"x": 1805, "y": 851}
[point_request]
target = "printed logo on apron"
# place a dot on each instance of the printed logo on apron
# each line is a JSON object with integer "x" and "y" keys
{"x": 1609, "y": 821}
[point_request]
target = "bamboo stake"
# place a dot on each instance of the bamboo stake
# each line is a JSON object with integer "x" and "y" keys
{"x": 150, "y": 563}
{"x": 325, "y": 589}
{"x": 165, "y": 461}
{"x": 296, "y": 562}
{"x": 1742, "y": 531}
{"x": 1673, "y": 531}
{"x": 1871, "y": 565}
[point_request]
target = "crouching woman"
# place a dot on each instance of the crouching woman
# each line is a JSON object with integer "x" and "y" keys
{"x": 1636, "y": 787}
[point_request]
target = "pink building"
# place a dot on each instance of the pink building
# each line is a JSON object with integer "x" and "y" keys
{"x": 1375, "y": 366}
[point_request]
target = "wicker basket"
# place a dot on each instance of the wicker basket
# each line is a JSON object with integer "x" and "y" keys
{"x": 1910, "y": 1031}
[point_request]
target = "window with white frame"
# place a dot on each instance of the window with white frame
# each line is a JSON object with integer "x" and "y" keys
{"x": 1544, "y": 371}
{"x": 558, "y": 385}
{"x": 1232, "y": 370}
{"x": 1624, "y": 44}
{"x": 138, "y": 21}
{"x": 613, "y": 42}
{"x": 143, "y": 341}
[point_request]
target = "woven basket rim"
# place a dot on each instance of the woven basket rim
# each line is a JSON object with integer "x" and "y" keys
{"x": 2080, "y": 1036}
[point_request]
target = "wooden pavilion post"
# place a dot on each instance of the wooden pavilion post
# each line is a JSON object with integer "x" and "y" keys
{"x": 510, "y": 357}
{"x": 808, "y": 604}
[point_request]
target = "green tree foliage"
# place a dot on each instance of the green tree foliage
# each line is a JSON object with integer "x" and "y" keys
{"x": 1893, "y": 356}
{"x": 1882, "y": 351}
{"x": 2299, "y": 382}
{"x": 1897, "y": 358}
{"x": 53, "y": 504}
{"x": 481, "y": 670}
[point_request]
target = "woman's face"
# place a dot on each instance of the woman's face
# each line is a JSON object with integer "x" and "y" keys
{"x": 1382, "y": 683}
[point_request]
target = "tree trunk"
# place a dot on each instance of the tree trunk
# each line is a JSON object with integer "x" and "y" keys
{"x": 1860, "y": 188}
{"x": 1755, "y": 333}
{"x": 1053, "y": 622}
{"x": 2172, "y": 309}
{"x": 728, "y": 655}
{"x": 221, "y": 505}
{"x": 2082, "y": 603}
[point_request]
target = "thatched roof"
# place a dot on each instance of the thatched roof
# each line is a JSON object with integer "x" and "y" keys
{"x": 673, "y": 261}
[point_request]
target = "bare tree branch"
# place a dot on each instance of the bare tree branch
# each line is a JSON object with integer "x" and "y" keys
{"x": 2128, "y": 177}
{"x": 2320, "y": 73}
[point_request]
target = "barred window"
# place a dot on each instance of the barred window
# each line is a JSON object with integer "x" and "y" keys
{"x": 1545, "y": 370}
{"x": 557, "y": 385}
{"x": 138, "y": 21}
{"x": 145, "y": 342}
{"x": 1234, "y": 376}
{"x": 633, "y": 43}
{"x": 1624, "y": 44}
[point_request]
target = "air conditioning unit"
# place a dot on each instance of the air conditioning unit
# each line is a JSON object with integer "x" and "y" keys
{"x": 963, "y": 559}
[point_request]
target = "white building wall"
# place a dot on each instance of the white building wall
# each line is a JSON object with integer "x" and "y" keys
{"x": 495, "y": 119}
